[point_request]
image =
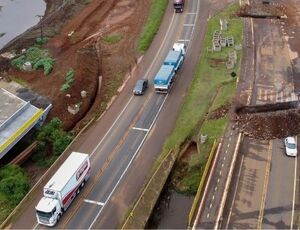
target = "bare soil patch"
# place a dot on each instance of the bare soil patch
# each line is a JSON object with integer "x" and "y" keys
{"x": 76, "y": 32}
{"x": 278, "y": 122}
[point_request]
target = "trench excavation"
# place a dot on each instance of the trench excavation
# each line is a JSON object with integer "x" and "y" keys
{"x": 269, "y": 121}
{"x": 266, "y": 11}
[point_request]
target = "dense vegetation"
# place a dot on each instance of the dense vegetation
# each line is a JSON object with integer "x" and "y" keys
{"x": 14, "y": 185}
{"x": 39, "y": 58}
{"x": 52, "y": 141}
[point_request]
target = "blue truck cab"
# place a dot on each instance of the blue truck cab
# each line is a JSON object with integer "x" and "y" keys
{"x": 164, "y": 78}
{"x": 174, "y": 58}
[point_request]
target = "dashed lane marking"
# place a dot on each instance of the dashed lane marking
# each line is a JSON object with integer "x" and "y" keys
{"x": 228, "y": 145}
{"x": 184, "y": 40}
{"x": 191, "y": 13}
{"x": 188, "y": 24}
{"x": 216, "y": 188}
{"x": 94, "y": 202}
{"x": 140, "y": 129}
{"x": 207, "y": 215}
{"x": 210, "y": 205}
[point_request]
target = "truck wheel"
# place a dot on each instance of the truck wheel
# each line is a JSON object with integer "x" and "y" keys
{"x": 58, "y": 217}
{"x": 82, "y": 184}
{"x": 78, "y": 191}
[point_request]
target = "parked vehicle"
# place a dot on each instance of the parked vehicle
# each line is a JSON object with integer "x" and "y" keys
{"x": 62, "y": 188}
{"x": 165, "y": 77}
{"x": 178, "y": 5}
{"x": 140, "y": 87}
{"x": 290, "y": 146}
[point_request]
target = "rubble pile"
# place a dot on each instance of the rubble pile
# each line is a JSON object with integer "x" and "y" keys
{"x": 269, "y": 125}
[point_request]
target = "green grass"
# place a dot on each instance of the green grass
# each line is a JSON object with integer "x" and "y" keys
{"x": 206, "y": 80}
{"x": 110, "y": 91}
{"x": 224, "y": 95}
{"x": 112, "y": 39}
{"x": 151, "y": 27}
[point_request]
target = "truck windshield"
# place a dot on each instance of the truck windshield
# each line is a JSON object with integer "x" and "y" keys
{"x": 44, "y": 214}
{"x": 177, "y": 5}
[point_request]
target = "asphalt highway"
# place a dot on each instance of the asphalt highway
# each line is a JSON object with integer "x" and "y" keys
{"x": 265, "y": 187}
{"x": 120, "y": 142}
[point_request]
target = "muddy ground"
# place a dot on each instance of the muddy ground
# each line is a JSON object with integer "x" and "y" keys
{"x": 85, "y": 51}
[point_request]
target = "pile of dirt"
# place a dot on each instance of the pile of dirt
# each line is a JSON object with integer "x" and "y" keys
{"x": 76, "y": 32}
{"x": 269, "y": 125}
{"x": 261, "y": 11}
{"x": 219, "y": 112}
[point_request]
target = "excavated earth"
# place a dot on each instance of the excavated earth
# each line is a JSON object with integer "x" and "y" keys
{"x": 85, "y": 51}
{"x": 282, "y": 119}
{"x": 269, "y": 121}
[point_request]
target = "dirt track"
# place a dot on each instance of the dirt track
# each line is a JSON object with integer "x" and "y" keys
{"x": 84, "y": 51}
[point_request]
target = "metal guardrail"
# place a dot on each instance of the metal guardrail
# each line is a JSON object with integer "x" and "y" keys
{"x": 200, "y": 188}
{"x": 18, "y": 133}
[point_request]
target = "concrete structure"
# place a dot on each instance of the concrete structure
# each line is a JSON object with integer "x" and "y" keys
{"x": 17, "y": 117}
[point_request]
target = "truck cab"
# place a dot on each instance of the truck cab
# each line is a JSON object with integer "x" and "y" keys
{"x": 178, "y": 5}
{"x": 48, "y": 211}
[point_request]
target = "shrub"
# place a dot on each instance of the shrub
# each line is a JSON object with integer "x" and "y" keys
{"x": 39, "y": 58}
{"x": 41, "y": 40}
{"x": 13, "y": 183}
{"x": 52, "y": 140}
{"x": 69, "y": 81}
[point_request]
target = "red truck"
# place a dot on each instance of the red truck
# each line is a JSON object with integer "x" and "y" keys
{"x": 178, "y": 5}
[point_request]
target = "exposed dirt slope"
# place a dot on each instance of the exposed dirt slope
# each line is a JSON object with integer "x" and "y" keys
{"x": 84, "y": 51}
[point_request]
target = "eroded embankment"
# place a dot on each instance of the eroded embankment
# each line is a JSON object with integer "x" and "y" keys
{"x": 269, "y": 121}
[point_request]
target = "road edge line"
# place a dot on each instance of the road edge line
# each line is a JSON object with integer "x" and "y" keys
{"x": 228, "y": 181}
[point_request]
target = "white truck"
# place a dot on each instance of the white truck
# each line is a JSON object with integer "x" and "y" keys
{"x": 62, "y": 188}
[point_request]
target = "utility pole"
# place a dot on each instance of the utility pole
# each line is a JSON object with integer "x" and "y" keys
{"x": 41, "y": 22}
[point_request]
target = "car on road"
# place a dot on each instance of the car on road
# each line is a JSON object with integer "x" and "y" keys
{"x": 140, "y": 87}
{"x": 290, "y": 146}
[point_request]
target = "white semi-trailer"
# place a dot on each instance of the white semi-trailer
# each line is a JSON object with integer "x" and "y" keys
{"x": 62, "y": 188}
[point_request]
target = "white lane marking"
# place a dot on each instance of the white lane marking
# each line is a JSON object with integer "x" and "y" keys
{"x": 222, "y": 165}
{"x": 228, "y": 145}
{"x": 108, "y": 131}
{"x": 207, "y": 215}
{"x": 213, "y": 197}
{"x": 235, "y": 191}
{"x": 188, "y": 24}
{"x": 161, "y": 46}
{"x": 229, "y": 139}
{"x": 130, "y": 162}
{"x": 226, "y": 153}
{"x": 224, "y": 158}
{"x": 184, "y": 40}
{"x": 210, "y": 205}
{"x": 220, "y": 173}
{"x": 191, "y": 13}
{"x": 294, "y": 193}
{"x": 36, "y": 226}
{"x": 216, "y": 188}
{"x": 140, "y": 129}
{"x": 94, "y": 202}
{"x": 228, "y": 180}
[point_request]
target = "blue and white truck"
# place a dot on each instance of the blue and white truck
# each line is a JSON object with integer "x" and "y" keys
{"x": 165, "y": 77}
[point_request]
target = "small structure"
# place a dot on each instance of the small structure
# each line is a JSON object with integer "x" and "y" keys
{"x": 229, "y": 41}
